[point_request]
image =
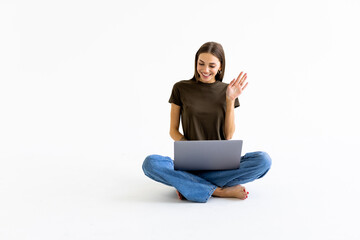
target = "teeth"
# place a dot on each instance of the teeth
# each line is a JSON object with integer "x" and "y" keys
{"x": 206, "y": 75}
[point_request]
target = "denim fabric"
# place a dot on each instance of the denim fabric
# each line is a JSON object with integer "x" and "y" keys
{"x": 198, "y": 186}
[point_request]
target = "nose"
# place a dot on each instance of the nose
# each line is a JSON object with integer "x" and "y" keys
{"x": 206, "y": 69}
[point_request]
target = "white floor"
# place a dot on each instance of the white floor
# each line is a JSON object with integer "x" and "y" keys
{"x": 311, "y": 195}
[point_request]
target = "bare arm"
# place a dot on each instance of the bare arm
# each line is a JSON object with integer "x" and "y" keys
{"x": 175, "y": 123}
{"x": 235, "y": 88}
{"x": 229, "y": 119}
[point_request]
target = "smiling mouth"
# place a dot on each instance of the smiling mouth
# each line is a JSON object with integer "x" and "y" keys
{"x": 205, "y": 75}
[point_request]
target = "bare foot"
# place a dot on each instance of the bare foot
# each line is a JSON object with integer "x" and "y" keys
{"x": 181, "y": 197}
{"x": 237, "y": 191}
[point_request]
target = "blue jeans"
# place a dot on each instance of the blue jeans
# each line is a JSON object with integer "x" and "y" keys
{"x": 198, "y": 186}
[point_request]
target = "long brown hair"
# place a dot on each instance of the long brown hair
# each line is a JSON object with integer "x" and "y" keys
{"x": 215, "y": 49}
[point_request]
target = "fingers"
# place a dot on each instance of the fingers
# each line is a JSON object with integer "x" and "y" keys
{"x": 244, "y": 87}
{"x": 237, "y": 86}
{"x": 238, "y": 78}
{"x": 232, "y": 82}
{"x": 241, "y": 79}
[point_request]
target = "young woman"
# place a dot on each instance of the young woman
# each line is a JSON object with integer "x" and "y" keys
{"x": 206, "y": 107}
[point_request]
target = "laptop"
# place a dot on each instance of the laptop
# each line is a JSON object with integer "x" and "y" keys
{"x": 207, "y": 155}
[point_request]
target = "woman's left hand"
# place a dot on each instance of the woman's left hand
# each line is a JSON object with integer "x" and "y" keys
{"x": 236, "y": 87}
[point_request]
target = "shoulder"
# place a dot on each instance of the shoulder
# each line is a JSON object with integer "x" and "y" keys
{"x": 183, "y": 84}
{"x": 222, "y": 84}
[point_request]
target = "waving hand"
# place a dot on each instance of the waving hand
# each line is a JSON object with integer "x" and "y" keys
{"x": 236, "y": 87}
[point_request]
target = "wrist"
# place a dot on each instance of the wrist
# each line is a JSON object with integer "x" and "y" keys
{"x": 183, "y": 138}
{"x": 230, "y": 101}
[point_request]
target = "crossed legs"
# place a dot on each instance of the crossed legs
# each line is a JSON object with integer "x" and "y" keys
{"x": 199, "y": 186}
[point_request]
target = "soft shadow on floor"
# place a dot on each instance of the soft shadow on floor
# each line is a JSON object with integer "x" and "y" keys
{"x": 150, "y": 193}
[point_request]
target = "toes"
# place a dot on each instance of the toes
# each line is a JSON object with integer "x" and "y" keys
{"x": 181, "y": 197}
{"x": 246, "y": 193}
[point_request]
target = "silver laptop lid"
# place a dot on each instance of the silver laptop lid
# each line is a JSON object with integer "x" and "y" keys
{"x": 207, "y": 155}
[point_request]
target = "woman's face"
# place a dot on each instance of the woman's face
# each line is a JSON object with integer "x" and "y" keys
{"x": 207, "y": 66}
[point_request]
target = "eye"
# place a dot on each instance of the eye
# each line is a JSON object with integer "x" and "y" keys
{"x": 201, "y": 64}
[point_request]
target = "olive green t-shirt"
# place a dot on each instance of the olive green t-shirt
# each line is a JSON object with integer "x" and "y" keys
{"x": 203, "y": 107}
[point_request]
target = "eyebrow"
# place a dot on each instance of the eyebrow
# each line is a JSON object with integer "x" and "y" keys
{"x": 203, "y": 61}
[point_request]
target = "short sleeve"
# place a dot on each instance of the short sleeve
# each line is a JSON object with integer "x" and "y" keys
{"x": 237, "y": 103}
{"x": 175, "y": 95}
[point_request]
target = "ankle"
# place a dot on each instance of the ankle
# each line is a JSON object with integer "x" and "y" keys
{"x": 219, "y": 192}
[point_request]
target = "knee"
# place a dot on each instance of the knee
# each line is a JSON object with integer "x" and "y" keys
{"x": 153, "y": 163}
{"x": 148, "y": 163}
{"x": 264, "y": 160}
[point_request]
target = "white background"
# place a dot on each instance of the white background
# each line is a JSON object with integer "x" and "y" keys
{"x": 84, "y": 89}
